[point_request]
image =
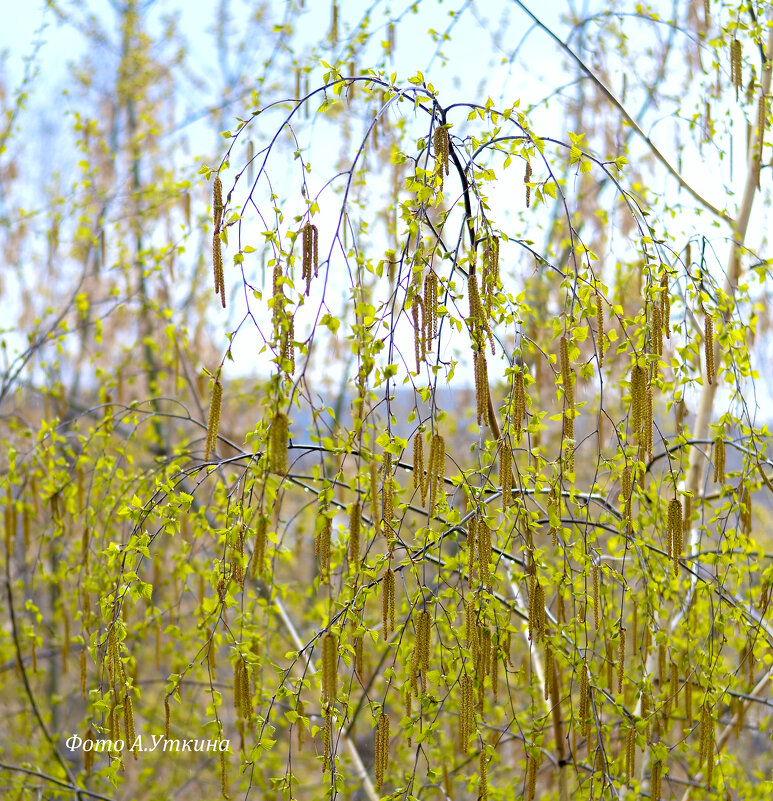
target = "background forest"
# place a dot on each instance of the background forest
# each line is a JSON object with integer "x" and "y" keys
{"x": 385, "y": 390}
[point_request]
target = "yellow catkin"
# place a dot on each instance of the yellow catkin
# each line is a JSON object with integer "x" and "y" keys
{"x": 259, "y": 549}
{"x": 655, "y": 780}
{"x": 327, "y": 737}
{"x": 128, "y": 722}
{"x": 387, "y": 498}
{"x": 278, "y": 436}
{"x": 491, "y": 271}
{"x": 647, "y": 433}
{"x": 466, "y": 712}
{"x": 719, "y": 459}
{"x": 310, "y": 254}
{"x": 708, "y": 342}
{"x": 621, "y": 659}
{"x": 217, "y": 202}
{"x": 355, "y": 521}
{"x": 382, "y": 749}
{"x": 88, "y": 754}
{"x": 630, "y": 755}
{"x": 436, "y": 471}
{"x": 213, "y": 423}
{"x": 519, "y": 404}
{"x": 83, "y": 673}
{"x": 657, "y": 330}
{"x": 418, "y": 464}
{"x": 442, "y": 148}
{"x": 329, "y": 667}
{"x": 472, "y": 530}
{"x": 237, "y": 686}
{"x": 480, "y": 371}
{"x": 300, "y": 709}
{"x": 419, "y": 328}
{"x": 374, "y": 493}
{"x": 736, "y": 65}
{"x": 596, "y": 605}
{"x": 746, "y": 511}
{"x": 674, "y": 688}
{"x": 224, "y": 774}
{"x": 638, "y": 393}
{"x": 388, "y": 603}
{"x": 675, "y": 529}
{"x": 217, "y": 266}
{"x": 359, "y": 656}
{"x": 762, "y": 118}
{"x": 420, "y": 657}
{"x": 167, "y": 715}
{"x": 665, "y": 305}
{"x": 566, "y": 376}
{"x": 600, "y": 329}
{"x": 531, "y": 777}
{"x": 479, "y": 324}
{"x": 506, "y": 473}
{"x": 527, "y": 181}
{"x": 584, "y": 709}
{"x": 483, "y": 777}
{"x": 483, "y": 537}
{"x": 430, "y": 309}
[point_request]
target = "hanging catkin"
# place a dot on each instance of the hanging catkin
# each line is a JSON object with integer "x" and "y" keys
{"x": 382, "y": 748}
{"x": 430, "y": 309}
{"x": 419, "y": 329}
{"x": 217, "y": 266}
{"x": 466, "y": 712}
{"x": 472, "y": 526}
{"x": 527, "y": 180}
{"x": 442, "y": 147}
{"x": 388, "y": 603}
{"x": 600, "y": 329}
{"x": 387, "y": 500}
{"x": 675, "y": 529}
{"x": 482, "y": 777}
{"x": 278, "y": 441}
{"x": 214, "y": 418}
{"x": 329, "y": 667}
{"x": 374, "y": 493}
{"x": 483, "y": 537}
{"x": 519, "y": 403}
{"x": 719, "y": 459}
{"x": 566, "y": 376}
{"x": 419, "y": 482}
{"x": 481, "y": 387}
{"x": 621, "y": 659}
{"x": 436, "y": 471}
{"x": 665, "y": 305}
{"x": 638, "y": 392}
{"x": 746, "y": 511}
{"x": 420, "y": 656}
{"x": 310, "y": 253}
{"x": 355, "y": 521}
{"x": 506, "y": 473}
{"x": 708, "y": 342}
{"x": 736, "y": 66}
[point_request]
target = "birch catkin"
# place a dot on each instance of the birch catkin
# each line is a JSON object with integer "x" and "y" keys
{"x": 719, "y": 459}
{"x": 214, "y": 418}
{"x": 442, "y": 148}
{"x": 278, "y": 436}
{"x": 382, "y": 749}
{"x": 708, "y": 341}
{"x": 329, "y": 667}
{"x": 388, "y": 603}
{"x": 519, "y": 404}
{"x": 355, "y": 520}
